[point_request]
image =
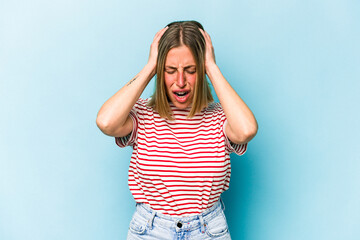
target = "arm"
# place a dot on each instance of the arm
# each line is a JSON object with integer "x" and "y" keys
{"x": 113, "y": 117}
{"x": 241, "y": 124}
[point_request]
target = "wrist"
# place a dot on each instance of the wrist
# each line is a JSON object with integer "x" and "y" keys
{"x": 210, "y": 68}
{"x": 150, "y": 68}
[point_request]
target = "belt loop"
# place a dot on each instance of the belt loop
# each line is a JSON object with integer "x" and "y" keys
{"x": 202, "y": 224}
{"x": 222, "y": 204}
{"x": 151, "y": 220}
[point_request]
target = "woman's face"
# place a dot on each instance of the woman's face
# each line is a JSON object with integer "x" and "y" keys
{"x": 180, "y": 76}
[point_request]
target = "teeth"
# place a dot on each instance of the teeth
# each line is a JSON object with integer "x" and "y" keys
{"x": 181, "y": 93}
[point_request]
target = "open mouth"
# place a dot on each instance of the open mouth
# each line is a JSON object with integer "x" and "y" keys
{"x": 181, "y": 96}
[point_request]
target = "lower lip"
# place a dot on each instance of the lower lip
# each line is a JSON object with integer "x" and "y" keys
{"x": 181, "y": 99}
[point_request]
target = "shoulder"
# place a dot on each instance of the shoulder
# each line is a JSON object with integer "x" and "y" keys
{"x": 142, "y": 104}
{"x": 214, "y": 107}
{"x": 143, "y": 101}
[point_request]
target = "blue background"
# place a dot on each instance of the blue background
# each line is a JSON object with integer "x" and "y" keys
{"x": 295, "y": 63}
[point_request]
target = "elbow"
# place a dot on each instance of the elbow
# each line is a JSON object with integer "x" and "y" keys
{"x": 251, "y": 133}
{"x": 104, "y": 126}
{"x": 113, "y": 129}
{"x": 246, "y": 138}
{"x": 100, "y": 124}
{"x": 246, "y": 135}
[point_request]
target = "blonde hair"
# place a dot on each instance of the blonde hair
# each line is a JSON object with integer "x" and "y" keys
{"x": 178, "y": 34}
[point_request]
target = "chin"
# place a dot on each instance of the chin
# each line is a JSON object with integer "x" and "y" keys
{"x": 181, "y": 105}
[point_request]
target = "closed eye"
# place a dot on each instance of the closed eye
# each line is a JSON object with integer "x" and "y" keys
{"x": 190, "y": 69}
{"x": 170, "y": 71}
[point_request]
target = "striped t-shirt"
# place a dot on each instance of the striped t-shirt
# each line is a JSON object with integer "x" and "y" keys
{"x": 179, "y": 167}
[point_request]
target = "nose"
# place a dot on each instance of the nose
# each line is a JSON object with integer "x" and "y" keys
{"x": 181, "y": 82}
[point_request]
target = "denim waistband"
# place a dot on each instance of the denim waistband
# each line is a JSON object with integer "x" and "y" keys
{"x": 172, "y": 222}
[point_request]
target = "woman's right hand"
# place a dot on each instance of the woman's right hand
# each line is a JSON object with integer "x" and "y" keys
{"x": 113, "y": 118}
{"x": 154, "y": 48}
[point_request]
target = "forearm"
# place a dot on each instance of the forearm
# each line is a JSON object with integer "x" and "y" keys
{"x": 242, "y": 125}
{"x": 114, "y": 112}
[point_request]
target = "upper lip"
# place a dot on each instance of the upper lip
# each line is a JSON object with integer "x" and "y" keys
{"x": 180, "y": 91}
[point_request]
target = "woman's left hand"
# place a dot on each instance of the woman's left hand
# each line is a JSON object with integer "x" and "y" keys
{"x": 242, "y": 125}
{"x": 209, "y": 50}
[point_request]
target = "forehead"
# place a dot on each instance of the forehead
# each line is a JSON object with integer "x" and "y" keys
{"x": 180, "y": 56}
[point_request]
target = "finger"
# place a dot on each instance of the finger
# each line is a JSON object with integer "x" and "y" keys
{"x": 163, "y": 31}
{"x": 206, "y": 36}
{"x": 202, "y": 32}
{"x": 160, "y": 33}
{"x": 157, "y": 34}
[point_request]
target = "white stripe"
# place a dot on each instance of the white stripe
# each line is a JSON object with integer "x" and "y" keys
{"x": 178, "y": 159}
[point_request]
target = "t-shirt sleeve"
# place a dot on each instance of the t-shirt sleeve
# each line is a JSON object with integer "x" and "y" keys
{"x": 239, "y": 149}
{"x": 131, "y": 139}
{"x": 231, "y": 147}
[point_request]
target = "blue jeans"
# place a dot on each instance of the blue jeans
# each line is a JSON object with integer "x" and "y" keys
{"x": 148, "y": 224}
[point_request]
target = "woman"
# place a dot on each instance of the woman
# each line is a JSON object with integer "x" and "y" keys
{"x": 181, "y": 140}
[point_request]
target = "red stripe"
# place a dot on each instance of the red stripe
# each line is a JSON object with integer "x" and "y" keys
{"x": 175, "y": 189}
{"x": 173, "y": 137}
{"x": 183, "y": 147}
{"x": 186, "y": 199}
{"x": 210, "y": 127}
{"x": 151, "y": 180}
{"x": 178, "y": 176}
{"x": 157, "y": 121}
{"x": 177, "y": 157}
{"x": 188, "y": 139}
{"x": 207, "y": 160}
{"x": 182, "y": 142}
{"x": 179, "y": 166}
{"x": 179, "y": 123}
{"x": 179, "y": 148}
{"x": 211, "y": 184}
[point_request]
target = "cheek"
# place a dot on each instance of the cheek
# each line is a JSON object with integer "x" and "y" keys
{"x": 191, "y": 79}
{"x": 168, "y": 81}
